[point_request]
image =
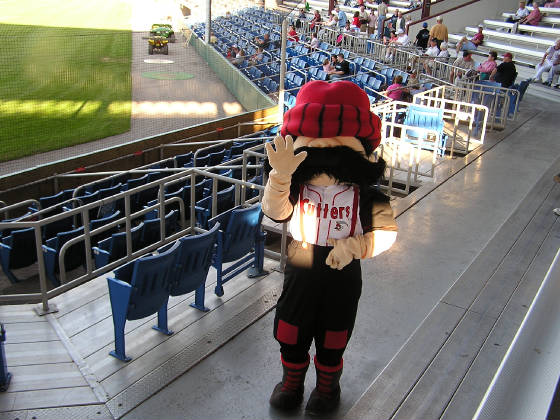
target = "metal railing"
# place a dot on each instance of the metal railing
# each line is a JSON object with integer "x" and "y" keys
{"x": 44, "y": 294}
{"x": 404, "y": 156}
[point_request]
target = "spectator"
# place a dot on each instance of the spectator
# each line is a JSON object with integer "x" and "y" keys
{"x": 473, "y": 43}
{"x": 439, "y": 31}
{"x": 505, "y": 73}
{"x": 356, "y": 21}
{"x": 314, "y": 43}
{"x": 550, "y": 62}
{"x": 213, "y": 38}
{"x": 264, "y": 42}
{"x": 533, "y": 18}
{"x": 301, "y": 18}
{"x": 257, "y": 58}
{"x": 391, "y": 40}
{"x": 487, "y": 67}
{"x": 372, "y": 22}
{"x": 292, "y": 34}
{"x": 396, "y": 90}
{"x": 422, "y": 37}
{"x": 342, "y": 18}
{"x": 389, "y": 34}
{"x": 555, "y": 3}
{"x": 400, "y": 41}
{"x": 331, "y": 22}
{"x": 399, "y": 22}
{"x": 382, "y": 14}
{"x": 520, "y": 14}
{"x": 364, "y": 18}
{"x": 465, "y": 62}
{"x": 341, "y": 68}
{"x": 316, "y": 20}
{"x": 443, "y": 53}
{"x": 327, "y": 67}
{"x": 432, "y": 51}
{"x": 238, "y": 55}
{"x": 228, "y": 14}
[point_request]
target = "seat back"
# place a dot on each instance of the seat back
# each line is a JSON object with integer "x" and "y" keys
{"x": 150, "y": 283}
{"x": 185, "y": 159}
{"x": 94, "y": 224}
{"x": 240, "y": 231}
{"x": 150, "y": 233}
{"x": 75, "y": 256}
{"x": 193, "y": 261}
{"x": 21, "y": 249}
{"x": 116, "y": 244}
{"x": 425, "y": 118}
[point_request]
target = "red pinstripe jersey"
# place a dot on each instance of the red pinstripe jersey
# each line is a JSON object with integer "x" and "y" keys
{"x": 326, "y": 212}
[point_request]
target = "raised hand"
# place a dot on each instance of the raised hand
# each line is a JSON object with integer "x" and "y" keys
{"x": 283, "y": 159}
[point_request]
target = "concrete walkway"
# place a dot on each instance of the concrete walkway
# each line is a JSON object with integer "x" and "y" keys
{"x": 441, "y": 237}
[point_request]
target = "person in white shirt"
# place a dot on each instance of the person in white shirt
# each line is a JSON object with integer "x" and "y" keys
{"x": 432, "y": 52}
{"x": 401, "y": 41}
{"x": 443, "y": 53}
{"x": 314, "y": 43}
{"x": 550, "y": 62}
{"x": 520, "y": 14}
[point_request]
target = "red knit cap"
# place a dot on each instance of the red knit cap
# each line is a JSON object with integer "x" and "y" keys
{"x": 332, "y": 109}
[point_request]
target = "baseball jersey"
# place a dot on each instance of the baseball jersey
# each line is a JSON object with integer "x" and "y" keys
{"x": 326, "y": 212}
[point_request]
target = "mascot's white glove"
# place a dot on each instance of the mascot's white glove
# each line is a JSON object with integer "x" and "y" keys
{"x": 359, "y": 247}
{"x": 284, "y": 163}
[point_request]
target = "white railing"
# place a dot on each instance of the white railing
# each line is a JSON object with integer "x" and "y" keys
{"x": 404, "y": 155}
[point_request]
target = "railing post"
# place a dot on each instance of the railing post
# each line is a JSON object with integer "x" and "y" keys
{"x": 426, "y": 8}
{"x": 44, "y": 308}
{"x": 5, "y": 376}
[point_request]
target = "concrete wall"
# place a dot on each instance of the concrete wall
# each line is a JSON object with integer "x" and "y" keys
{"x": 470, "y": 15}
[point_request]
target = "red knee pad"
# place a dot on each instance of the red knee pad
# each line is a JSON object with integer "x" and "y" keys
{"x": 335, "y": 340}
{"x": 287, "y": 333}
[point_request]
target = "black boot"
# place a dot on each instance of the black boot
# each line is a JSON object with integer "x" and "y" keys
{"x": 288, "y": 394}
{"x": 326, "y": 396}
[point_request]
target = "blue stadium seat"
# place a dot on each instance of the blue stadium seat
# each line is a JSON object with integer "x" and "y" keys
{"x": 193, "y": 261}
{"x": 17, "y": 250}
{"x": 240, "y": 239}
{"x": 140, "y": 289}
{"x": 114, "y": 248}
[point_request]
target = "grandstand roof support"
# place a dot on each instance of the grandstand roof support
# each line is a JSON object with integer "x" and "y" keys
{"x": 208, "y": 21}
{"x": 426, "y": 8}
{"x": 282, "y": 70}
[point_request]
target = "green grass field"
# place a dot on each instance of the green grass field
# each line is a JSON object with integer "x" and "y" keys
{"x": 64, "y": 73}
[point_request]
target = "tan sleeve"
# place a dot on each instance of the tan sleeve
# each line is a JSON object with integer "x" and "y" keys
{"x": 276, "y": 202}
{"x": 364, "y": 246}
{"x": 382, "y": 217}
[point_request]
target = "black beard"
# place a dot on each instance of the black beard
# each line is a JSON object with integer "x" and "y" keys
{"x": 344, "y": 164}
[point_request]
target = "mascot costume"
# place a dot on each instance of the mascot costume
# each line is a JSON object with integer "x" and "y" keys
{"x": 324, "y": 184}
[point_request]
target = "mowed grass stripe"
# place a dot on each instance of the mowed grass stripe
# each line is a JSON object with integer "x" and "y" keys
{"x": 65, "y": 74}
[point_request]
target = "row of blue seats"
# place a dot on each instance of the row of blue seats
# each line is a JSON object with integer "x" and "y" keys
{"x": 142, "y": 287}
{"x": 15, "y": 243}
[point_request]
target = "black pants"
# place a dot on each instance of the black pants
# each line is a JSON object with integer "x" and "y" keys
{"x": 317, "y": 303}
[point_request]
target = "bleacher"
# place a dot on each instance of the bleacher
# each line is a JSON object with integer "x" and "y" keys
{"x": 528, "y": 45}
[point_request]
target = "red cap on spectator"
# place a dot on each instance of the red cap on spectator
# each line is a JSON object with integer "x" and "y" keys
{"x": 508, "y": 55}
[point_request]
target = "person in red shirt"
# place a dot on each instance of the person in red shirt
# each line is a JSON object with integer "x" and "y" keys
{"x": 471, "y": 44}
{"x": 292, "y": 34}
